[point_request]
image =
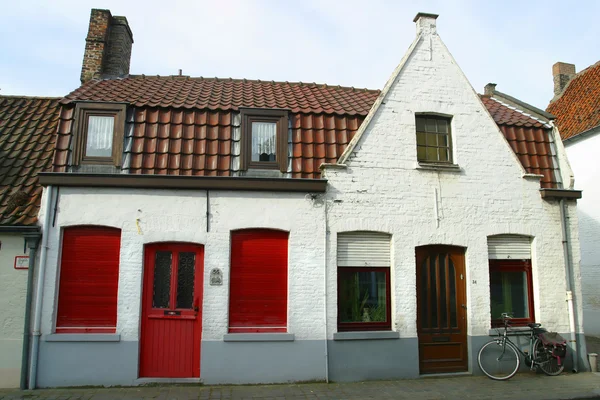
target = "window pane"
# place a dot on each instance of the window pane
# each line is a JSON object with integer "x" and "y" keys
{"x": 443, "y": 155}
{"x": 430, "y": 125}
{"x": 443, "y": 140}
{"x": 185, "y": 280}
{"x": 264, "y": 141}
{"x": 420, "y": 124}
{"x": 99, "y": 136}
{"x": 421, "y": 139}
{"x": 509, "y": 294}
{"x": 442, "y": 126}
{"x": 432, "y": 139}
{"x": 432, "y": 154}
{"x": 362, "y": 296}
{"x": 421, "y": 154}
{"x": 162, "y": 279}
{"x": 433, "y": 293}
{"x": 452, "y": 284}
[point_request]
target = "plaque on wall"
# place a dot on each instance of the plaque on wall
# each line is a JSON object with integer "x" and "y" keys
{"x": 216, "y": 277}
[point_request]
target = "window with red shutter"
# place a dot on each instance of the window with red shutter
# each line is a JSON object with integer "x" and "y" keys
{"x": 258, "y": 282}
{"x": 89, "y": 276}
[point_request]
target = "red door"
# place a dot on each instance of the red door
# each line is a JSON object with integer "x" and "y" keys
{"x": 171, "y": 311}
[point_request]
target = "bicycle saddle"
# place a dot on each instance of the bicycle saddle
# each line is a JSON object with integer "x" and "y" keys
{"x": 534, "y": 325}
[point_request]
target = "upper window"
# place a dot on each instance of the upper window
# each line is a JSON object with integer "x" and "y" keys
{"x": 264, "y": 139}
{"x": 258, "y": 281}
{"x": 89, "y": 276}
{"x": 363, "y": 281}
{"x": 511, "y": 287}
{"x": 434, "y": 142}
{"x": 99, "y": 133}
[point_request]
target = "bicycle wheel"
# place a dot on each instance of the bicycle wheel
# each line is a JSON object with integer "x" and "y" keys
{"x": 545, "y": 360}
{"x": 498, "y": 361}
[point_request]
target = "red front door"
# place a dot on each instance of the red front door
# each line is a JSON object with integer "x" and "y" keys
{"x": 171, "y": 311}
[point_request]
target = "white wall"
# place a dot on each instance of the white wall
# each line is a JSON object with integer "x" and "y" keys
{"x": 583, "y": 156}
{"x": 181, "y": 216}
{"x": 382, "y": 190}
{"x": 13, "y": 289}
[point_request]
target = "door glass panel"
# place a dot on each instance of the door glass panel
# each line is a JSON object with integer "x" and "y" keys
{"x": 185, "y": 280}
{"x": 162, "y": 279}
{"x": 423, "y": 295}
{"x": 452, "y": 284}
{"x": 443, "y": 299}
{"x": 433, "y": 293}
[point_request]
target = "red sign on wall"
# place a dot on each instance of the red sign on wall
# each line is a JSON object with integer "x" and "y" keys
{"x": 21, "y": 262}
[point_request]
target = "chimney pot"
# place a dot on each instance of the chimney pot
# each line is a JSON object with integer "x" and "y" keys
{"x": 562, "y": 73}
{"x": 489, "y": 89}
{"x": 425, "y": 23}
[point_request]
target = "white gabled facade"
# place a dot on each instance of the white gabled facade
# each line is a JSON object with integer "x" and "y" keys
{"x": 582, "y": 152}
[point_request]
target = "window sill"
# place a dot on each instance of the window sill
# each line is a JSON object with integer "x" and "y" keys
{"x": 83, "y": 337}
{"x": 258, "y": 337}
{"x": 425, "y": 166}
{"x": 366, "y": 335}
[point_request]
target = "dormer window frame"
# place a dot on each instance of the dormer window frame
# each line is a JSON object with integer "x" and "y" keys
{"x": 83, "y": 112}
{"x": 277, "y": 116}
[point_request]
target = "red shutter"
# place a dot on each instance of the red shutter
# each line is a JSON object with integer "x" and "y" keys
{"x": 258, "y": 287}
{"x": 89, "y": 276}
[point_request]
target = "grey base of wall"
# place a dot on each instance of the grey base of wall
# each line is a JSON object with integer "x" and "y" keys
{"x": 591, "y": 322}
{"x": 359, "y": 360}
{"x": 87, "y": 363}
{"x": 116, "y": 363}
{"x": 262, "y": 362}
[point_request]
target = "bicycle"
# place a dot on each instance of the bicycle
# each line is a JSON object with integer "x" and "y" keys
{"x": 499, "y": 358}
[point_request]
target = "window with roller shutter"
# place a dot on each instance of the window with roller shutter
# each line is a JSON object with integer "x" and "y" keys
{"x": 258, "y": 281}
{"x": 88, "y": 283}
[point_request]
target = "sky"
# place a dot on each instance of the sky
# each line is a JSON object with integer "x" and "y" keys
{"x": 339, "y": 42}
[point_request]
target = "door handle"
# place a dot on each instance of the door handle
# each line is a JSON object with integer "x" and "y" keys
{"x": 196, "y": 306}
{"x": 463, "y": 306}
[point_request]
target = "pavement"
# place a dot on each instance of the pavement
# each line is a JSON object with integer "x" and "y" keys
{"x": 527, "y": 386}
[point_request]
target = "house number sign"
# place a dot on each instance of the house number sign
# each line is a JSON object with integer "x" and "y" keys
{"x": 216, "y": 277}
{"x": 21, "y": 262}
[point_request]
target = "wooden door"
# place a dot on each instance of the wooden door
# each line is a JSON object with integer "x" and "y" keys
{"x": 171, "y": 311}
{"x": 441, "y": 309}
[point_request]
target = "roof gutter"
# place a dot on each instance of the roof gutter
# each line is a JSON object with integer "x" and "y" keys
{"x": 182, "y": 182}
{"x": 19, "y": 229}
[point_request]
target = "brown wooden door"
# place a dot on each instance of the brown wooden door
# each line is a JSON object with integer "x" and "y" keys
{"x": 441, "y": 309}
{"x": 171, "y": 311}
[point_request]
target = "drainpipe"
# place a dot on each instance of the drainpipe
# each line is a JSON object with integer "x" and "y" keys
{"x": 39, "y": 289}
{"x": 568, "y": 271}
{"x": 32, "y": 243}
{"x": 325, "y": 293}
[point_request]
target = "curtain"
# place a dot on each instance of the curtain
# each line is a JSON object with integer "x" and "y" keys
{"x": 264, "y": 140}
{"x": 100, "y": 136}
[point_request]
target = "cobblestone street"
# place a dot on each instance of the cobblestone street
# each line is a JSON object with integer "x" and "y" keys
{"x": 529, "y": 386}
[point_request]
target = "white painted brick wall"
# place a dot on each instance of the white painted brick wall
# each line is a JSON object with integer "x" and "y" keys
{"x": 381, "y": 190}
{"x": 181, "y": 216}
{"x": 583, "y": 155}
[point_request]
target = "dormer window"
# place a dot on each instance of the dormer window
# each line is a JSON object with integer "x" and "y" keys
{"x": 264, "y": 139}
{"x": 99, "y": 134}
{"x": 434, "y": 144}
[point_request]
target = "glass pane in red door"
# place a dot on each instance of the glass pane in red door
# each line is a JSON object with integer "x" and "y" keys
{"x": 185, "y": 280}
{"x": 162, "y": 279}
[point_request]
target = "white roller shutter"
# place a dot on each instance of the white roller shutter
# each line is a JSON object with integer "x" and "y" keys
{"x": 509, "y": 247}
{"x": 363, "y": 249}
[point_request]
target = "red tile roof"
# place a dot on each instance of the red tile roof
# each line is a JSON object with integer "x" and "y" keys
{"x": 27, "y": 133}
{"x": 226, "y": 94}
{"x": 578, "y": 108}
{"x": 191, "y": 126}
{"x": 529, "y": 138}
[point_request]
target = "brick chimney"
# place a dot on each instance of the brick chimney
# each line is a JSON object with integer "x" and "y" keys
{"x": 489, "y": 89}
{"x": 425, "y": 23}
{"x": 562, "y": 74}
{"x": 107, "y": 47}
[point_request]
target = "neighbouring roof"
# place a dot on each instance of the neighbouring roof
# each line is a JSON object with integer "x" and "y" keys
{"x": 27, "y": 132}
{"x": 577, "y": 109}
{"x": 529, "y": 137}
{"x": 191, "y": 126}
